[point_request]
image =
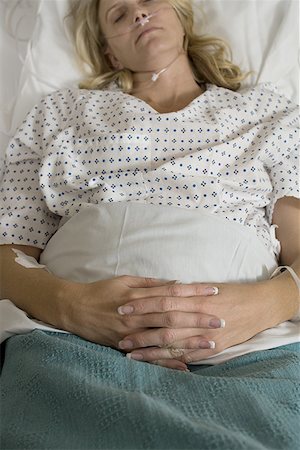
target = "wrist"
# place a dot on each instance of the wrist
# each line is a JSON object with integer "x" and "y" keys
{"x": 67, "y": 304}
{"x": 290, "y": 270}
{"x": 283, "y": 294}
{"x": 84, "y": 311}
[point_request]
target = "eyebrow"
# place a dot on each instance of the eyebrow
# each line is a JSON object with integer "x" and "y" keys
{"x": 109, "y": 10}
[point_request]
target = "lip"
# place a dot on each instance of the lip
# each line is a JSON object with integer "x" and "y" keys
{"x": 147, "y": 30}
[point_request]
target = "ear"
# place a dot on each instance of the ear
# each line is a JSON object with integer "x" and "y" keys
{"x": 115, "y": 63}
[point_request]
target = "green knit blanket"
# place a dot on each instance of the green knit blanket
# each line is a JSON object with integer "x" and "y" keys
{"x": 62, "y": 392}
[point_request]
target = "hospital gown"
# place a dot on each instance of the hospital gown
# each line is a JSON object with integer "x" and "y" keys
{"x": 231, "y": 154}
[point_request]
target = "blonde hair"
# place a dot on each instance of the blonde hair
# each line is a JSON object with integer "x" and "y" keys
{"x": 208, "y": 55}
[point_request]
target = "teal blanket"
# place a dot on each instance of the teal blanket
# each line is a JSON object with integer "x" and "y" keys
{"x": 62, "y": 392}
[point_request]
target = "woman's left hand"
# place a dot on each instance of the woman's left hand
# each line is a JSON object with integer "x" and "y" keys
{"x": 247, "y": 309}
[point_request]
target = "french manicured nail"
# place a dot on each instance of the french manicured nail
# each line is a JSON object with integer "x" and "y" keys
{"x": 137, "y": 356}
{"x": 125, "y": 344}
{"x": 217, "y": 323}
{"x": 212, "y": 291}
{"x": 125, "y": 310}
{"x": 207, "y": 344}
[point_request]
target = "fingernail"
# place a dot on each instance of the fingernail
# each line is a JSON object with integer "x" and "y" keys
{"x": 137, "y": 356}
{"x": 212, "y": 291}
{"x": 212, "y": 344}
{"x": 125, "y": 310}
{"x": 206, "y": 344}
{"x": 217, "y": 323}
{"x": 125, "y": 344}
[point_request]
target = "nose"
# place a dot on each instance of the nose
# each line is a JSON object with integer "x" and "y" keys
{"x": 140, "y": 16}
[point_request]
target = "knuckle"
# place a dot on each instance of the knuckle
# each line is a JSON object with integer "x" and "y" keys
{"x": 148, "y": 282}
{"x": 165, "y": 304}
{"x": 167, "y": 336}
{"x": 198, "y": 289}
{"x": 157, "y": 362}
{"x": 174, "y": 290}
{"x": 127, "y": 321}
{"x": 169, "y": 319}
{"x": 187, "y": 358}
{"x": 139, "y": 341}
{"x": 176, "y": 352}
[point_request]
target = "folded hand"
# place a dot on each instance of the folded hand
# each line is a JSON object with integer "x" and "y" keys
{"x": 184, "y": 326}
{"x": 93, "y": 313}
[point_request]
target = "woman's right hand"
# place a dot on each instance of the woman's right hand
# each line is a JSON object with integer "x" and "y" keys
{"x": 90, "y": 310}
{"x": 94, "y": 309}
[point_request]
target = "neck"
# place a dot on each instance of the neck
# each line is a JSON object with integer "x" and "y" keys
{"x": 174, "y": 88}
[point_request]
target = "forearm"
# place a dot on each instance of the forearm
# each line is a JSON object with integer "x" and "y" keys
{"x": 283, "y": 287}
{"x": 284, "y": 293}
{"x": 36, "y": 291}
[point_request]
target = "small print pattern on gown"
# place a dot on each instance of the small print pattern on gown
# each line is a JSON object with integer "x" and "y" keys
{"x": 228, "y": 153}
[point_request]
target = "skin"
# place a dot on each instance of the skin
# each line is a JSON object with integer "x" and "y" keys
{"x": 166, "y": 314}
{"x": 154, "y": 51}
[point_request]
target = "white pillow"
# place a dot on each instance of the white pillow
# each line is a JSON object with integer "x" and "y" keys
{"x": 263, "y": 35}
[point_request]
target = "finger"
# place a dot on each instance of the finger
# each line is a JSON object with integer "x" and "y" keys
{"x": 171, "y": 364}
{"x": 195, "y": 356}
{"x": 169, "y": 297}
{"x": 195, "y": 343}
{"x": 179, "y": 290}
{"x": 164, "y": 337}
{"x": 154, "y": 353}
{"x": 173, "y": 319}
{"x": 186, "y": 356}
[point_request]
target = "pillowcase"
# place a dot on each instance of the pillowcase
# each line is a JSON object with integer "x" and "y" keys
{"x": 40, "y": 57}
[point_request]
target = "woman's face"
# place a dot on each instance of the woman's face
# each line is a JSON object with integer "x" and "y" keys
{"x": 136, "y": 47}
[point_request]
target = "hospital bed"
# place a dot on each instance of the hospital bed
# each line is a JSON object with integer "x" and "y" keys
{"x": 39, "y": 58}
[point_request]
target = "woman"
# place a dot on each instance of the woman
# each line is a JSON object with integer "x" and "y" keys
{"x": 176, "y": 176}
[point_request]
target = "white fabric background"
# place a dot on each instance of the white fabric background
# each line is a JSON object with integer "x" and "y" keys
{"x": 37, "y": 56}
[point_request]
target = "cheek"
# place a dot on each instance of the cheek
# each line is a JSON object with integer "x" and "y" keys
{"x": 174, "y": 24}
{"x": 122, "y": 51}
{"x": 178, "y": 26}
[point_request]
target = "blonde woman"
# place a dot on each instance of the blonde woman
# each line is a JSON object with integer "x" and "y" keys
{"x": 159, "y": 200}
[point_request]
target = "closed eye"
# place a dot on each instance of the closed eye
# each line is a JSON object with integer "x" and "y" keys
{"x": 119, "y": 18}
